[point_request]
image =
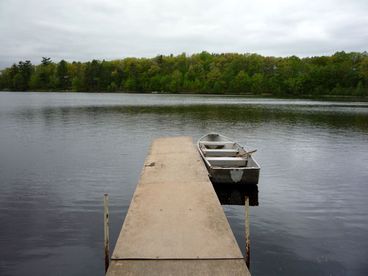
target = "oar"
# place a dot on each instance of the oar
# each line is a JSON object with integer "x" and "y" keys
{"x": 249, "y": 153}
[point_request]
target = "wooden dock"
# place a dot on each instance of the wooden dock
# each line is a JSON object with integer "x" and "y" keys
{"x": 175, "y": 224}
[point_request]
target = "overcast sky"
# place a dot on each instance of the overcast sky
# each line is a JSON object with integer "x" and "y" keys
{"x": 111, "y": 29}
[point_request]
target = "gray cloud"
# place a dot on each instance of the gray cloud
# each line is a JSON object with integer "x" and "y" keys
{"x": 111, "y": 29}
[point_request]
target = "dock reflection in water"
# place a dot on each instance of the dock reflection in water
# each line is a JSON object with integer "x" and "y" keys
{"x": 235, "y": 194}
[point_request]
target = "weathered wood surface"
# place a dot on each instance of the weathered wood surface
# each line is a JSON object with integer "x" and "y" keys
{"x": 175, "y": 218}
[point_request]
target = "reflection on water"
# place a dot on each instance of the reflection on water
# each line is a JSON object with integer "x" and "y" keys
{"x": 236, "y": 194}
{"x": 59, "y": 153}
{"x": 331, "y": 117}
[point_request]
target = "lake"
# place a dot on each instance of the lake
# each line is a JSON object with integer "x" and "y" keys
{"x": 60, "y": 152}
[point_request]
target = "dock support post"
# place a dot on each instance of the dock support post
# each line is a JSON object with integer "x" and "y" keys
{"x": 247, "y": 230}
{"x": 106, "y": 231}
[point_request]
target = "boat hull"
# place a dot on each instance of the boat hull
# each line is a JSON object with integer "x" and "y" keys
{"x": 233, "y": 176}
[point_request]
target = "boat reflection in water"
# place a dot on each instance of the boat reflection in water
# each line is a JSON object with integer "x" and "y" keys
{"x": 236, "y": 194}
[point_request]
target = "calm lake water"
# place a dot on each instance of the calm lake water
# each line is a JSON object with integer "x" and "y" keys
{"x": 60, "y": 152}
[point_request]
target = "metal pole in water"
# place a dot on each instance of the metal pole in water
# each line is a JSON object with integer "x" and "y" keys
{"x": 106, "y": 231}
{"x": 247, "y": 230}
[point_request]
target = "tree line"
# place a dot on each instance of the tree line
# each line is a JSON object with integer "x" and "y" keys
{"x": 230, "y": 73}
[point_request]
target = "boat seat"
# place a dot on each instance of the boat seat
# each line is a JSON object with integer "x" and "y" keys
{"x": 227, "y": 161}
{"x": 217, "y": 144}
{"x": 220, "y": 152}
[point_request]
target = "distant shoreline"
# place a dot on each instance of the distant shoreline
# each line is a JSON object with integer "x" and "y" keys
{"x": 263, "y": 96}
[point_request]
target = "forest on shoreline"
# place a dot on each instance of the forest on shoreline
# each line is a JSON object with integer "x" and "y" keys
{"x": 341, "y": 74}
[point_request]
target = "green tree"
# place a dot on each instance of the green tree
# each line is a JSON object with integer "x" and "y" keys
{"x": 63, "y": 81}
{"x": 257, "y": 83}
{"x": 44, "y": 78}
{"x": 176, "y": 79}
{"x": 46, "y": 61}
{"x": 92, "y": 76}
{"x": 242, "y": 83}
